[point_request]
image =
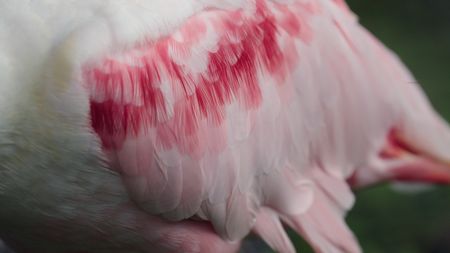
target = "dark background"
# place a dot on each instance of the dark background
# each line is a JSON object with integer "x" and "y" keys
{"x": 386, "y": 221}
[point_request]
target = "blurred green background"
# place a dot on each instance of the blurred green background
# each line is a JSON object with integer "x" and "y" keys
{"x": 386, "y": 221}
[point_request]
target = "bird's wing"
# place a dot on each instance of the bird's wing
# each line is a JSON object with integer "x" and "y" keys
{"x": 232, "y": 109}
{"x": 196, "y": 121}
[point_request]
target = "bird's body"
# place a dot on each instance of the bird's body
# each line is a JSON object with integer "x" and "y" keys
{"x": 167, "y": 126}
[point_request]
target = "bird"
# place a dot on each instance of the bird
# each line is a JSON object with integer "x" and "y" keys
{"x": 182, "y": 126}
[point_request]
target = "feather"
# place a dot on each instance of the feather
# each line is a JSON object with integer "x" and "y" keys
{"x": 268, "y": 226}
{"x": 230, "y": 86}
{"x": 235, "y": 107}
{"x": 220, "y": 116}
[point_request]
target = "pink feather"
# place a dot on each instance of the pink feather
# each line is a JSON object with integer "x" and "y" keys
{"x": 223, "y": 118}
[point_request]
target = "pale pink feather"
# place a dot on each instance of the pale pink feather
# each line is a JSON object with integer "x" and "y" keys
{"x": 252, "y": 115}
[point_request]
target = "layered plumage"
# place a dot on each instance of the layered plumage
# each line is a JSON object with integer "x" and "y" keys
{"x": 178, "y": 127}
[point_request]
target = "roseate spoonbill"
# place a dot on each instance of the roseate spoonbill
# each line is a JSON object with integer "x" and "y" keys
{"x": 181, "y": 126}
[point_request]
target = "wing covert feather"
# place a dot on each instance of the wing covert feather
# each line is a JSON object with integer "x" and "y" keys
{"x": 182, "y": 117}
{"x": 232, "y": 110}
